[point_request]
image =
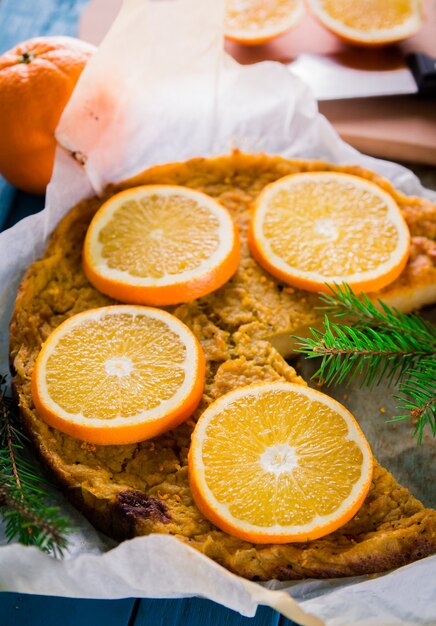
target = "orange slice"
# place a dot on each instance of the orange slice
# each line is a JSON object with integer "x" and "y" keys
{"x": 327, "y": 227}
{"x": 159, "y": 245}
{"x": 118, "y": 374}
{"x": 370, "y": 22}
{"x": 277, "y": 462}
{"x": 254, "y": 22}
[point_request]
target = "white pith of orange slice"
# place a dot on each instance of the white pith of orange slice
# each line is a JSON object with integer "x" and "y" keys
{"x": 314, "y": 228}
{"x": 253, "y": 22}
{"x": 160, "y": 245}
{"x": 118, "y": 374}
{"x": 370, "y": 22}
{"x": 278, "y": 463}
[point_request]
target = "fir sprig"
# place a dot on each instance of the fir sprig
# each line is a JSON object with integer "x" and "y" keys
{"x": 417, "y": 396}
{"x": 26, "y": 497}
{"x": 377, "y": 343}
{"x": 343, "y": 303}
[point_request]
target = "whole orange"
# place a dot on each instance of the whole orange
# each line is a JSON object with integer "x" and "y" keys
{"x": 37, "y": 78}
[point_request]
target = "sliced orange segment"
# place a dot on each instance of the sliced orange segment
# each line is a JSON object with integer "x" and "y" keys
{"x": 278, "y": 462}
{"x": 370, "y": 22}
{"x": 118, "y": 374}
{"x": 159, "y": 245}
{"x": 315, "y": 228}
{"x": 253, "y": 22}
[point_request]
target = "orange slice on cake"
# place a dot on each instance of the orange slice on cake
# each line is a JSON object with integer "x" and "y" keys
{"x": 370, "y": 22}
{"x": 318, "y": 228}
{"x": 118, "y": 374}
{"x": 160, "y": 245}
{"x": 277, "y": 463}
{"x": 253, "y": 22}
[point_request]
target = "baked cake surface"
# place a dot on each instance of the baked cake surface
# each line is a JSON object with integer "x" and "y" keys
{"x": 142, "y": 488}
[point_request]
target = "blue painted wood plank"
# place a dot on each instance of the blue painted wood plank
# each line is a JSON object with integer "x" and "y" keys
{"x": 198, "y": 612}
{"x": 25, "y": 610}
{"x": 23, "y": 19}
{"x": 284, "y": 621}
{"x": 7, "y": 197}
{"x": 22, "y": 205}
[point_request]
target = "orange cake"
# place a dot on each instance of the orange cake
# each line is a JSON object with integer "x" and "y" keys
{"x": 140, "y": 488}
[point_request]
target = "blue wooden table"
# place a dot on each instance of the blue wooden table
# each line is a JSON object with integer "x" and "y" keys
{"x": 20, "y": 20}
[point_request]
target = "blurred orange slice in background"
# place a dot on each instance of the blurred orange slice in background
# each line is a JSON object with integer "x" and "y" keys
{"x": 319, "y": 228}
{"x": 369, "y": 22}
{"x": 253, "y": 22}
{"x": 118, "y": 374}
{"x": 278, "y": 462}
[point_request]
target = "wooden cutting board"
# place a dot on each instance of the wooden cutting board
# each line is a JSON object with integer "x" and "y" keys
{"x": 395, "y": 127}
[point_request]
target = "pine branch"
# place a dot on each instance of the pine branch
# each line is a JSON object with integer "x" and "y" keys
{"x": 343, "y": 302}
{"x": 24, "y": 494}
{"x": 23, "y": 521}
{"x": 417, "y": 396}
{"x": 9, "y": 438}
{"x": 377, "y": 343}
{"x": 348, "y": 351}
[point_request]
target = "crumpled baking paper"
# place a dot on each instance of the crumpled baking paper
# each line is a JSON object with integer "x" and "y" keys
{"x": 161, "y": 89}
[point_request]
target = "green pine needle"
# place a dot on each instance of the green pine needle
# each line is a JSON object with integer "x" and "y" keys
{"x": 377, "y": 343}
{"x": 343, "y": 302}
{"x": 26, "y": 497}
{"x": 417, "y": 396}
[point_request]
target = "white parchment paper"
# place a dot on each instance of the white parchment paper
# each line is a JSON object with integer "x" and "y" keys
{"x": 160, "y": 89}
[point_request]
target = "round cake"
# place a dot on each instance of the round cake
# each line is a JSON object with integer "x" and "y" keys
{"x": 244, "y": 329}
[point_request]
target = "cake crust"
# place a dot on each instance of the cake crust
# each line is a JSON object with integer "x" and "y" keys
{"x": 142, "y": 488}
